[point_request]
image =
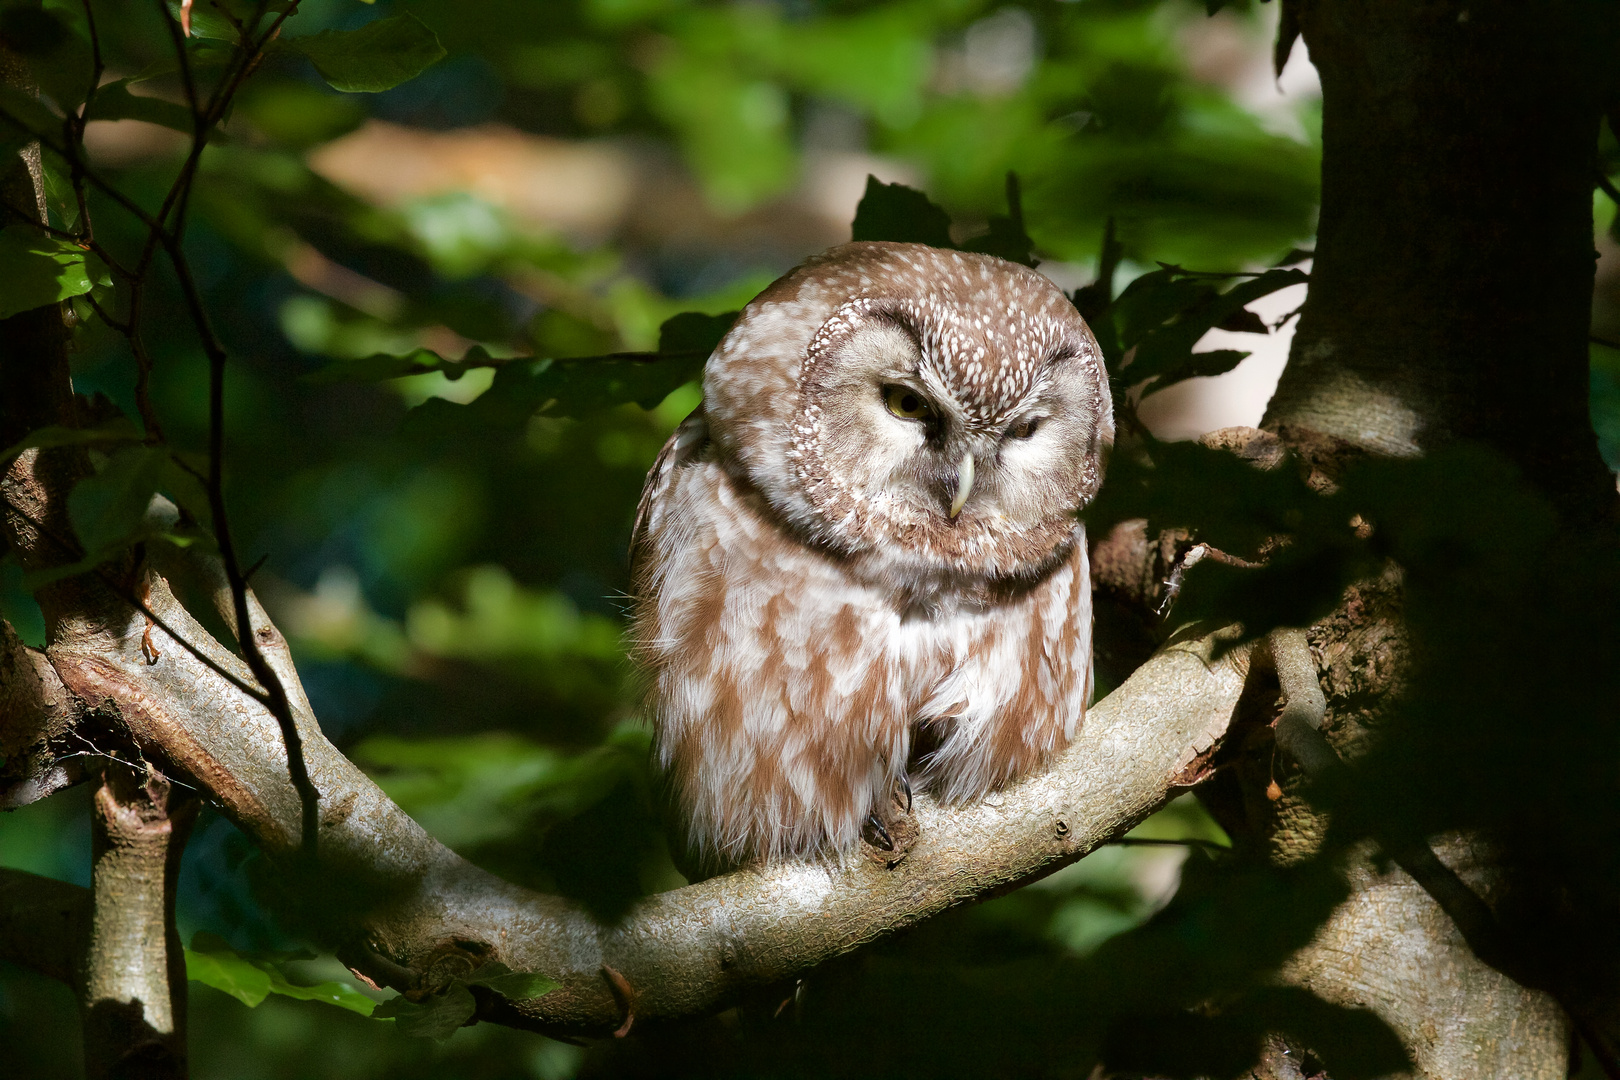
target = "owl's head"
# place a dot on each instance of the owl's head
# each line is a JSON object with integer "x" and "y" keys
{"x": 942, "y": 411}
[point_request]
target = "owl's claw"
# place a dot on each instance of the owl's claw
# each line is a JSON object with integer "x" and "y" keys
{"x": 875, "y": 834}
{"x": 905, "y": 789}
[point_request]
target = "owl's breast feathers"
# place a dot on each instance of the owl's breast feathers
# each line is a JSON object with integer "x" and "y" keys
{"x": 788, "y": 692}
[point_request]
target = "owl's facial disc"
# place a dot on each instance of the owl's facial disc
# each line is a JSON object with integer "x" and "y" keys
{"x": 957, "y": 428}
{"x": 914, "y": 445}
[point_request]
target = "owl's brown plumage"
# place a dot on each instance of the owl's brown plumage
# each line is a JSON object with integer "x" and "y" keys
{"x": 865, "y": 542}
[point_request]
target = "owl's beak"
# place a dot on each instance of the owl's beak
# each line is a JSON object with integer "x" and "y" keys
{"x": 964, "y": 484}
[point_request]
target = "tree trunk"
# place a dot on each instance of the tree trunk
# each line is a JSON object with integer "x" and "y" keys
{"x": 1452, "y": 287}
{"x": 1450, "y": 300}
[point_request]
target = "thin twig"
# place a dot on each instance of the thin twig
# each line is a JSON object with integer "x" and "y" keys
{"x": 276, "y": 699}
{"x": 102, "y": 185}
{"x": 1607, "y": 187}
{"x": 1142, "y": 841}
{"x": 176, "y": 33}
{"x": 85, "y": 242}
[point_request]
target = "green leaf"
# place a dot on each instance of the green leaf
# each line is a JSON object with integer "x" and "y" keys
{"x": 120, "y": 429}
{"x": 1190, "y": 308}
{"x": 1213, "y": 362}
{"x": 108, "y": 510}
{"x": 1155, "y": 298}
{"x": 519, "y": 985}
{"x": 581, "y": 387}
{"x": 298, "y": 114}
{"x": 512, "y": 985}
{"x": 378, "y": 56}
{"x": 115, "y": 102}
{"x": 251, "y": 977}
{"x": 436, "y": 1017}
{"x": 224, "y": 970}
{"x": 218, "y": 20}
{"x": 693, "y": 332}
{"x": 341, "y": 995}
{"x": 36, "y": 270}
{"x": 206, "y": 21}
{"x": 379, "y": 367}
{"x": 904, "y": 215}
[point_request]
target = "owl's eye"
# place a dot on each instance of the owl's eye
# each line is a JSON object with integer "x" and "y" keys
{"x": 906, "y": 403}
{"x": 1025, "y": 428}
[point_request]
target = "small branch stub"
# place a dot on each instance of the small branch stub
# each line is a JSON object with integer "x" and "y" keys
{"x": 133, "y": 998}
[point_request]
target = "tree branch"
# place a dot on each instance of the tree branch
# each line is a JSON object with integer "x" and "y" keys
{"x": 406, "y": 911}
{"x": 38, "y": 719}
{"x": 133, "y": 995}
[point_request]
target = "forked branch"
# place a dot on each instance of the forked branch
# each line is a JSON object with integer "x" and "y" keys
{"x": 404, "y": 910}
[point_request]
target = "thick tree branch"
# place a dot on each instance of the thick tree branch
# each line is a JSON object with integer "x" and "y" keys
{"x": 404, "y": 910}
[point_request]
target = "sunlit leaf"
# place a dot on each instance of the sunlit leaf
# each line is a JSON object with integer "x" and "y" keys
{"x": 513, "y": 985}
{"x": 252, "y": 977}
{"x": 225, "y": 971}
{"x": 378, "y": 56}
{"x": 341, "y": 995}
{"x": 36, "y": 269}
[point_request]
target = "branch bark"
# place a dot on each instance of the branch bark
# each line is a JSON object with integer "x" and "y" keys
{"x": 133, "y": 993}
{"x": 404, "y": 910}
{"x": 38, "y": 720}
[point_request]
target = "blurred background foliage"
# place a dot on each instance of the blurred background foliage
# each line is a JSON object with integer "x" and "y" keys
{"x": 445, "y": 542}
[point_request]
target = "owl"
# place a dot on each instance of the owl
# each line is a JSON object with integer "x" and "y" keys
{"x": 858, "y": 566}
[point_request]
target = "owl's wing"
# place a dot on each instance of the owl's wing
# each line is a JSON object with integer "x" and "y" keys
{"x": 685, "y": 443}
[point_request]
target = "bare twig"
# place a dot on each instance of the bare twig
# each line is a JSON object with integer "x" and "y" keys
{"x": 1144, "y": 841}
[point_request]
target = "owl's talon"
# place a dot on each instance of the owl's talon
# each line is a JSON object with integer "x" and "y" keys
{"x": 905, "y": 789}
{"x": 875, "y": 834}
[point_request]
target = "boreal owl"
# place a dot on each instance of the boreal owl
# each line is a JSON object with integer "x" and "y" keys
{"x": 858, "y": 566}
